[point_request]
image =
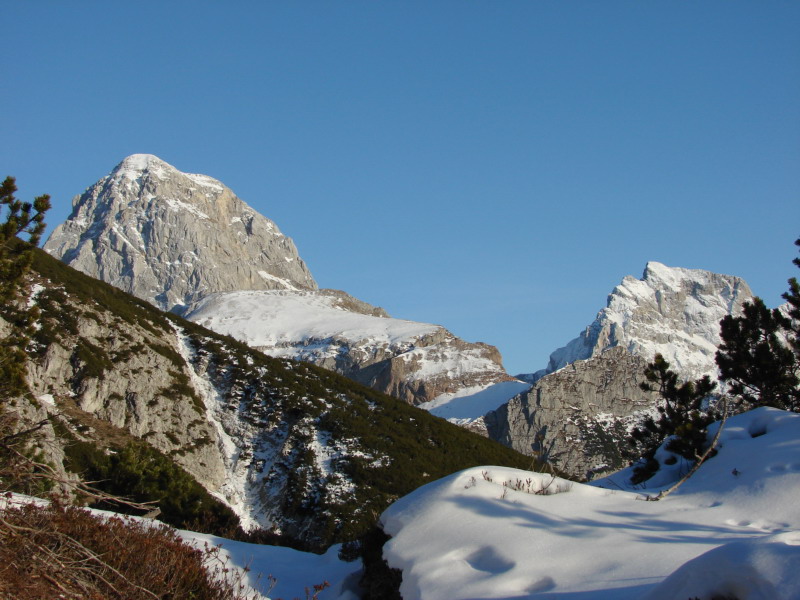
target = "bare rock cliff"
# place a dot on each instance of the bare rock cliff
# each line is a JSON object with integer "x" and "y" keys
{"x": 670, "y": 310}
{"x": 171, "y": 237}
{"x": 576, "y": 418}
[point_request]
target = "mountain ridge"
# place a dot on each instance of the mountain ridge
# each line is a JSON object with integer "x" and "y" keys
{"x": 184, "y": 242}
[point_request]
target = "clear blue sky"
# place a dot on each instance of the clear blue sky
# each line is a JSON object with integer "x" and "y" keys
{"x": 495, "y": 167}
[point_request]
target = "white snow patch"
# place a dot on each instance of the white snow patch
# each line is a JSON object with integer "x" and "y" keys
{"x": 763, "y": 568}
{"x": 271, "y": 318}
{"x": 284, "y": 282}
{"x": 205, "y": 181}
{"x": 36, "y": 289}
{"x": 47, "y": 399}
{"x": 294, "y": 571}
{"x": 473, "y": 402}
{"x": 469, "y": 536}
{"x": 179, "y": 205}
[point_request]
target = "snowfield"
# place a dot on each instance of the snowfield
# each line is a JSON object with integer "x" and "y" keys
{"x": 293, "y": 571}
{"x": 733, "y": 528}
{"x": 467, "y": 405}
{"x": 269, "y": 319}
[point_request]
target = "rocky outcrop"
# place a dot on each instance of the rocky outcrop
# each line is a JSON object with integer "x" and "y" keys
{"x": 670, "y": 311}
{"x": 171, "y": 238}
{"x": 126, "y": 372}
{"x": 438, "y": 364}
{"x": 577, "y": 417}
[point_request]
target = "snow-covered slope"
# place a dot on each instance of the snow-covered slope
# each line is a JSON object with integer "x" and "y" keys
{"x": 485, "y": 533}
{"x": 278, "y": 572}
{"x": 671, "y": 311}
{"x": 170, "y": 237}
{"x": 289, "y": 323}
{"x": 417, "y": 362}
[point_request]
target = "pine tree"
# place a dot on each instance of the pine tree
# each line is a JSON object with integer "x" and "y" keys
{"x": 793, "y": 298}
{"x": 759, "y": 357}
{"x": 15, "y": 259}
{"x": 21, "y": 218}
{"x": 683, "y": 415}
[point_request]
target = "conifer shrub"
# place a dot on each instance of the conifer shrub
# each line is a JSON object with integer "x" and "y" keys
{"x": 684, "y": 416}
{"x": 140, "y": 473}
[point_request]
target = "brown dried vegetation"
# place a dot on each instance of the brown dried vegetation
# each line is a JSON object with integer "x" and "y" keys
{"x": 66, "y": 552}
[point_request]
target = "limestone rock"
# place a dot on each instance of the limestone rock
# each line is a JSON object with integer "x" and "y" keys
{"x": 577, "y": 417}
{"x": 579, "y": 411}
{"x": 95, "y": 364}
{"x": 171, "y": 237}
{"x": 671, "y": 311}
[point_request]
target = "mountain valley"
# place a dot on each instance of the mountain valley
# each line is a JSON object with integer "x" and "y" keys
{"x": 174, "y": 327}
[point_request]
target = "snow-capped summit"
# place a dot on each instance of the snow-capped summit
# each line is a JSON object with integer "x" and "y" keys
{"x": 135, "y": 164}
{"x": 670, "y": 310}
{"x": 172, "y": 238}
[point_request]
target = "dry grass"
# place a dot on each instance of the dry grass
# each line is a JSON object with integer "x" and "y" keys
{"x": 66, "y": 552}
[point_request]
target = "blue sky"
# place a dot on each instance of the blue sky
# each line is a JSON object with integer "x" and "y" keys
{"x": 495, "y": 167}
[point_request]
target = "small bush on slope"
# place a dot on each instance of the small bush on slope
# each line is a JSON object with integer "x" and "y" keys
{"x": 65, "y": 552}
{"x": 141, "y": 473}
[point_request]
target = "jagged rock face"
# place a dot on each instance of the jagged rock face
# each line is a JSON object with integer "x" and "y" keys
{"x": 415, "y": 362}
{"x": 671, "y": 311}
{"x": 577, "y": 417}
{"x": 171, "y": 238}
{"x": 581, "y": 407}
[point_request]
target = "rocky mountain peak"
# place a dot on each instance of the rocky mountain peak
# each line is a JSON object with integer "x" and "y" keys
{"x": 138, "y": 163}
{"x": 672, "y": 311}
{"x": 172, "y": 238}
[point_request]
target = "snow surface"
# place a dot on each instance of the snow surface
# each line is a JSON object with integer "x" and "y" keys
{"x": 471, "y": 403}
{"x": 275, "y": 317}
{"x": 732, "y": 528}
{"x": 292, "y": 570}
